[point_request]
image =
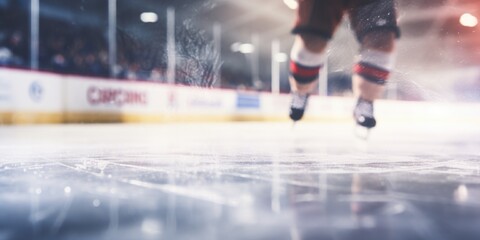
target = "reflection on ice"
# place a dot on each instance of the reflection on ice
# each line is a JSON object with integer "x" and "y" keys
{"x": 152, "y": 226}
{"x": 96, "y": 203}
{"x": 255, "y": 184}
{"x": 461, "y": 194}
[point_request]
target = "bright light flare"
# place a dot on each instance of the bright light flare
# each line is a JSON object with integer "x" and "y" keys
{"x": 468, "y": 20}
{"x": 243, "y": 47}
{"x": 247, "y": 48}
{"x": 292, "y": 4}
{"x": 149, "y": 17}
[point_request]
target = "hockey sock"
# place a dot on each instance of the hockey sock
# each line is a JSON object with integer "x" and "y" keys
{"x": 304, "y": 64}
{"x": 374, "y": 65}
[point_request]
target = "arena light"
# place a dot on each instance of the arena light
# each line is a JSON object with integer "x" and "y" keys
{"x": 247, "y": 48}
{"x": 468, "y": 20}
{"x": 243, "y": 47}
{"x": 292, "y": 4}
{"x": 149, "y": 17}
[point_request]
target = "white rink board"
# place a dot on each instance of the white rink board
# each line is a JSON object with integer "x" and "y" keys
{"x": 274, "y": 105}
{"x": 6, "y": 91}
{"x": 29, "y": 92}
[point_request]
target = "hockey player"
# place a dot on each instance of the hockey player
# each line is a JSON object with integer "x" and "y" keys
{"x": 375, "y": 26}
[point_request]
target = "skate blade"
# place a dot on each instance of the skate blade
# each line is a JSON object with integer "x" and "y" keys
{"x": 294, "y": 123}
{"x": 361, "y": 138}
{"x": 362, "y": 133}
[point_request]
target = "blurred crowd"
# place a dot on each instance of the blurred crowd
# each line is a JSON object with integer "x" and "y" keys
{"x": 78, "y": 50}
{"x": 70, "y": 50}
{"x": 14, "y": 48}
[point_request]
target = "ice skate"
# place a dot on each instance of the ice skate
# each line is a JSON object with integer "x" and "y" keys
{"x": 298, "y": 105}
{"x": 363, "y": 115}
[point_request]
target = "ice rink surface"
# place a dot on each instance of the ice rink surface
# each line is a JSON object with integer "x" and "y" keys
{"x": 240, "y": 181}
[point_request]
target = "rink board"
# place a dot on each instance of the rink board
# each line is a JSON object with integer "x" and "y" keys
{"x": 37, "y": 97}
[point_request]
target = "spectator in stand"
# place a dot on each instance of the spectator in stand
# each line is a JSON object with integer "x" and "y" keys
{"x": 5, "y": 56}
{"x": 59, "y": 63}
{"x": 18, "y": 46}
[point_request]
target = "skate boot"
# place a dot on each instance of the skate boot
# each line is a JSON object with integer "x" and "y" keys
{"x": 363, "y": 114}
{"x": 298, "y": 105}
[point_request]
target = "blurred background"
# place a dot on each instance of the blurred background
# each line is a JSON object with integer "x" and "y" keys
{"x": 234, "y": 44}
{"x": 117, "y": 61}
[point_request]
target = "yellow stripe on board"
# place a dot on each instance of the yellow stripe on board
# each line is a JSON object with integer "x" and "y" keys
{"x": 5, "y": 118}
{"x": 30, "y": 118}
{"x": 84, "y": 117}
{"x": 93, "y": 117}
{"x": 160, "y": 118}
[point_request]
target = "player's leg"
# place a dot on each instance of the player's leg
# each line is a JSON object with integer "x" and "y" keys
{"x": 316, "y": 23}
{"x": 371, "y": 73}
{"x": 307, "y": 58}
{"x": 376, "y": 28}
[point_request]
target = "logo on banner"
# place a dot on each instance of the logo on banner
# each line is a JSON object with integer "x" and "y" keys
{"x": 205, "y": 102}
{"x": 35, "y": 91}
{"x": 117, "y": 97}
{"x": 248, "y": 101}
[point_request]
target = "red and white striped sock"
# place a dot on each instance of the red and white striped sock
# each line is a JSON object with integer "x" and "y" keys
{"x": 304, "y": 64}
{"x": 374, "y": 66}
